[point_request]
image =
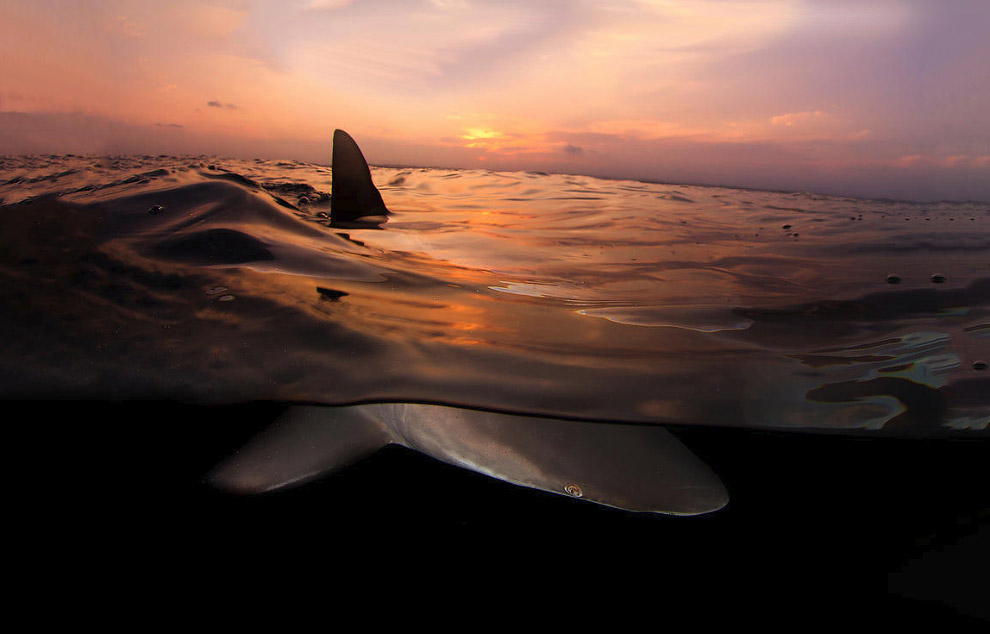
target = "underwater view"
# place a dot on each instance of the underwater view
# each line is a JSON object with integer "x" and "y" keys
{"x": 206, "y": 280}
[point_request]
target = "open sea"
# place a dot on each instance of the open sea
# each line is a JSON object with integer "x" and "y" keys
{"x": 221, "y": 281}
{"x": 157, "y": 311}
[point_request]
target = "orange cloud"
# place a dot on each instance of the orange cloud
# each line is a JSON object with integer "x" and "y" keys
{"x": 799, "y": 118}
{"x": 953, "y": 161}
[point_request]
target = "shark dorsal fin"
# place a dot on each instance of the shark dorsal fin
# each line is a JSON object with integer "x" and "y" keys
{"x": 353, "y": 195}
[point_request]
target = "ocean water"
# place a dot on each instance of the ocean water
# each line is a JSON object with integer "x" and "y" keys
{"x": 205, "y": 280}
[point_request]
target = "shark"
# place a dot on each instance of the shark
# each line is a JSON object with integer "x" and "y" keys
{"x": 197, "y": 284}
{"x": 634, "y": 467}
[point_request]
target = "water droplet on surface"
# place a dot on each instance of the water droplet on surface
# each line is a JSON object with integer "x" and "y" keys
{"x": 331, "y": 294}
{"x": 786, "y": 227}
{"x": 226, "y": 298}
{"x": 303, "y": 200}
{"x": 216, "y": 290}
{"x": 574, "y": 490}
{"x": 893, "y": 279}
{"x": 938, "y": 279}
{"x": 156, "y": 209}
{"x": 980, "y": 365}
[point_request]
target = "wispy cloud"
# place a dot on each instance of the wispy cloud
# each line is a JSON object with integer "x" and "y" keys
{"x": 791, "y": 119}
{"x": 320, "y": 5}
{"x": 447, "y": 5}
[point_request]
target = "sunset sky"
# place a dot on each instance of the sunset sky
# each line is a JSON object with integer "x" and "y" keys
{"x": 886, "y": 98}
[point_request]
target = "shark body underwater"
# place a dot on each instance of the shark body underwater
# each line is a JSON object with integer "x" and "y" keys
{"x": 114, "y": 294}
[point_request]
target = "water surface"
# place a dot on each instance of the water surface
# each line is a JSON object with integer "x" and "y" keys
{"x": 206, "y": 280}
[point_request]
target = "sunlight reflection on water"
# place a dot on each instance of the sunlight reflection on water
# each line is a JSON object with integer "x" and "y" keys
{"x": 552, "y": 294}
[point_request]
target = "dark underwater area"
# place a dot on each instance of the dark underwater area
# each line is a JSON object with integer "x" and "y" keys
{"x": 819, "y": 527}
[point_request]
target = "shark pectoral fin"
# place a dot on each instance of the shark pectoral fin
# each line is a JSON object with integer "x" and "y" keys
{"x": 304, "y": 443}
{"x": 632, "y": 467}
{"x": 354, "y": 199}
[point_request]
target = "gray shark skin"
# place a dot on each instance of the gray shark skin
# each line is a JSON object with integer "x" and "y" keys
{"x": 632, "y": 467}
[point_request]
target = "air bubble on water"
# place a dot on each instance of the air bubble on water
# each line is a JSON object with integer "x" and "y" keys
{"x": 980, "y": 365}
{"x": 938, "y": 279}
{"x": 225, "y": 298}
{"x": 216, "y": 290}
{"x": 893, "y": 279}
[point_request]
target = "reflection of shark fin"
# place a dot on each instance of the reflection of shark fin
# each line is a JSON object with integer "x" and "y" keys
{"x": 304, "y": 443}
{"x": 353, "y": 195}
{"x": 633, "y": 467}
